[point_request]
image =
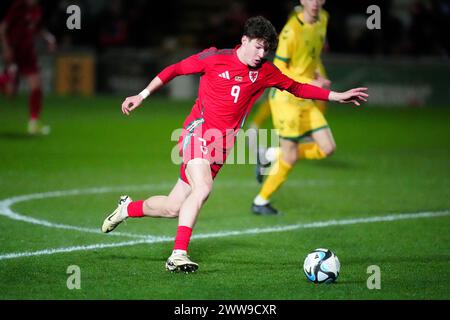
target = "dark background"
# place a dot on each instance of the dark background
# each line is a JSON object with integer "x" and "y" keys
{"x": 409, "y": 27}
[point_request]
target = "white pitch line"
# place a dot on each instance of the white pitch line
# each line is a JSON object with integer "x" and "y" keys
{"x": 5, "y": 207}
{"x": 6, "y": 204}
{"x": 254, "y": 231}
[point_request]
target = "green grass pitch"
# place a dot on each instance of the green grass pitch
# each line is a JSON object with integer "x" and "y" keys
{"x": 389, "y": 161}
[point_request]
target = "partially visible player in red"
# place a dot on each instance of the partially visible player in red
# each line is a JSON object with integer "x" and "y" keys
{"x": 22, "y": 23}
{"x": 231, "y": 81}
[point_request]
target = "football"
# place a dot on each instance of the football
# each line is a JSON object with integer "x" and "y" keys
{"x": 321, "y": 266}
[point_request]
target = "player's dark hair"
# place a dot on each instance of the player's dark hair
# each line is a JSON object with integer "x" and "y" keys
{"x": 260, "y": 28}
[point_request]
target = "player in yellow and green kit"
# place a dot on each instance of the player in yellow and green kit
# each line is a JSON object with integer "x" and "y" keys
{"x": 304, "y": 132}
{"x": 263, "y": 112}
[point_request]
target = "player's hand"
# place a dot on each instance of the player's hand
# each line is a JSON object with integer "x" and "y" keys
{"x": 355, "y": 96}
{"x": 131, "y": 103}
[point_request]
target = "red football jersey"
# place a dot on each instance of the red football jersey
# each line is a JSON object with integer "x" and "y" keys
{"x": 23, "y": 22}
{"x": 229, "y": 88}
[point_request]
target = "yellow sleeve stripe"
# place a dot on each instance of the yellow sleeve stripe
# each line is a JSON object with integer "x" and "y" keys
{"x": 282, "y": 59}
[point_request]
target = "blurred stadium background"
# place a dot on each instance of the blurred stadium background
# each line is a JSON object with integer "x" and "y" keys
{"x": 393, "y": 158}
{"x": 122, "y": 44}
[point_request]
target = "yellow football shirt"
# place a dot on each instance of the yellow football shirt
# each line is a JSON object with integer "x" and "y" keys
{"x": 300, "y": 45}
{"x": 298, "y": 56}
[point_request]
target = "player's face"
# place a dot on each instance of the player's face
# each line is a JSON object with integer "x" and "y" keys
{"x": 312, "y": 7}
{"x": 254, "y": 51}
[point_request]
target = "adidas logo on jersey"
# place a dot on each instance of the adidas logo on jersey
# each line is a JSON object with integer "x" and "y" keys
{"x": 225, "y": 75}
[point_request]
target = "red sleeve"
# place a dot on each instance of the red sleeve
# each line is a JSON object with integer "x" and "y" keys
{"x": 307, "y": 91}
{"x": 193, "y": 64}
{"x": 275, "y": 78}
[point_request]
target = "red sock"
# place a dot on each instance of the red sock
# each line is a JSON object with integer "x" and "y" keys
{"x": 183, "y": 237}
{"x": 35, "y": 103}
{"x": 136, "y": 209}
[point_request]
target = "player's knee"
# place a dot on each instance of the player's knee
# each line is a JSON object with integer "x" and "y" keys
{"x": 290, "y": 157}
{"x": 34, "y": 81}
{"x": 329, "y": 150}
{"x": 202, "y": 191}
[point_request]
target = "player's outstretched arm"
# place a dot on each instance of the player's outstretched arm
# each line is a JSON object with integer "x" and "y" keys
{"x": 355, "y": 96}
{"x": 133, "y": 102}
{"x": 190, "y": 65}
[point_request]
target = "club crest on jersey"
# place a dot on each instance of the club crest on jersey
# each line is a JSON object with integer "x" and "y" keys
{"x": 253, "y": 75}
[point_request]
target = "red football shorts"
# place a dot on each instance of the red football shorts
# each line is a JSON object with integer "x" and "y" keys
{"x": 211, "y": 144}
{"x": 26, "y": 61}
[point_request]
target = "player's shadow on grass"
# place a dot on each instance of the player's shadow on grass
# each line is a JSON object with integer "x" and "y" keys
{"x": 14, "y": 135}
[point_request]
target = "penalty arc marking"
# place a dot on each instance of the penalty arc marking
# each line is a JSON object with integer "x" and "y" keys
{"x": 6, "y": 204}
{"x": 5, "y": 210}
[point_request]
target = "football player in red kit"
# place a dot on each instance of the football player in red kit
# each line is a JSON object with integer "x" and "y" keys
{"x": 231, "y": 81}
{"x": 17, "y": 33}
